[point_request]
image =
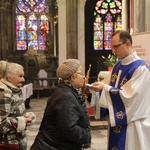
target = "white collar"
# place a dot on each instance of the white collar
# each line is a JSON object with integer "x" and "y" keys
{"x": 129, "y": 59}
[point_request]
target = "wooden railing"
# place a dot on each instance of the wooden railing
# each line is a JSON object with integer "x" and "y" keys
{"x": 39, "y": 85}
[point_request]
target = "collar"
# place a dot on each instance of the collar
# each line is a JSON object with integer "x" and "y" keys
{"x": 129, "y": 59}
{"x": 10, "y": 85}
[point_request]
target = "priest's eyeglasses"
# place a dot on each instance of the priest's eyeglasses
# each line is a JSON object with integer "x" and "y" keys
{"x": 116, "y": 46}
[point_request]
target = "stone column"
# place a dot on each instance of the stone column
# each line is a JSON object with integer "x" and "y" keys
{"x": 72, "y": 28}
{"x": 147, "y": 14}
{"x": 81, "y": 32}
{"x": 52, "y": 4}
{"x": 6, "y": 28}
{"x": 139, "y": 16}
{"x": 61, "y": 30}
{"x": 124, "y": 14}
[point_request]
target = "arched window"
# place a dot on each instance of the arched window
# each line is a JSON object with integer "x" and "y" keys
{"x": 32, "y": 24}
{"x": 107, "y": 19}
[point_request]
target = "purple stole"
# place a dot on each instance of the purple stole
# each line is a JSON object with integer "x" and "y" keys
{"x": 117, "y": 134}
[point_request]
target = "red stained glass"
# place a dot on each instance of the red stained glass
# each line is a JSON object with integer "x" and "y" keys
{"x": 32, "y": 24}
{"x": 107, "y": 19}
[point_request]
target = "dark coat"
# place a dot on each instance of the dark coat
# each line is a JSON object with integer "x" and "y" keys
{"x": 64, "y": 125}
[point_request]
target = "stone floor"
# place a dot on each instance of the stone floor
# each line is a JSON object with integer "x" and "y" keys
{"x": 99, "y": 128}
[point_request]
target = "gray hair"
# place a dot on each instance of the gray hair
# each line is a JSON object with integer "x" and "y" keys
{"x": 9, "y": 69}
{"x": 2, "y": 68}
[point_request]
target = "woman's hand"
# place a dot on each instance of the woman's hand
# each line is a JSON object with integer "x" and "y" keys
{"x": 28, "y": 119}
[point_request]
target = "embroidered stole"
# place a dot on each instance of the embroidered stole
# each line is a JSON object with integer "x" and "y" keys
{"x": 117, "y": 134}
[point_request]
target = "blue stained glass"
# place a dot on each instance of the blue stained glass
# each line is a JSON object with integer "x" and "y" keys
{"x": 107, "y": 19}
{"x": 21, "y": 35}
{"x": 32, "y": 24}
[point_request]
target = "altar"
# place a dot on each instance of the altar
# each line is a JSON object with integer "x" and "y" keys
{"x": 27, "y": 92}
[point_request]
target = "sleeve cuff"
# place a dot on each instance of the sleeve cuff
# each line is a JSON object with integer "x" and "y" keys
{"x": 21, "y": 124}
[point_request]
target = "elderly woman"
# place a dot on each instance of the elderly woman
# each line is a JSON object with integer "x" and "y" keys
{"x": 65, "y": 124}
{"x": 12, "y": 105}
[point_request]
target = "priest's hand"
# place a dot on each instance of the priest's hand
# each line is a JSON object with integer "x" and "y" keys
{"x": 97, "y": 86}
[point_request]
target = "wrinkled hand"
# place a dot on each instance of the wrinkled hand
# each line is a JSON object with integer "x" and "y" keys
{"x": 28, "y": 119}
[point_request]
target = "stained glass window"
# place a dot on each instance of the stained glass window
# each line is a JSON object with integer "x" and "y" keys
{"x": 107, "y": 19}
{"x": 32, "y": 24}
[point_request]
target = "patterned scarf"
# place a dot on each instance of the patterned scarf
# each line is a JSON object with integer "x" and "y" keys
{"x": 81, "y": 98}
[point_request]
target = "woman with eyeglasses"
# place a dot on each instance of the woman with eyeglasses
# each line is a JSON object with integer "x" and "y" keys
{"x": 124, "y": 95}
{"x": 65, "y": 124}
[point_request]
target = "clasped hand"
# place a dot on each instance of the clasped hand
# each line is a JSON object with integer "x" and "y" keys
{"x": 29, "y": 118}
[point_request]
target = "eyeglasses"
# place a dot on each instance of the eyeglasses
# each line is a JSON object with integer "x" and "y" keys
{"x": 116, "y": 46}
{"x": 80, "y": 73}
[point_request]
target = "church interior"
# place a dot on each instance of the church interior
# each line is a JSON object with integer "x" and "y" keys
{"x": 41, "y": 34}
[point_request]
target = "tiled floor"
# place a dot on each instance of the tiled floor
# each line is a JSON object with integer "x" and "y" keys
{"x": 99, "y": 133}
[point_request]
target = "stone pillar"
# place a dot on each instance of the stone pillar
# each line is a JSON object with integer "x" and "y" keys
{"x": 147, "y": 14}
{"x": 81, "y": 32}
{"x": 50, "y": 37}
{"x": 5, "y": 28}
{"x": 124, "y": 14}
{"x": 139, "y": 16}
{"x": 72, "y": 28}
{"x": 61, "y": 30}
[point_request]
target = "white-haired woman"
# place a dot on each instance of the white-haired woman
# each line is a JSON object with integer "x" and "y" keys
{"x": 12, "y": 106}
